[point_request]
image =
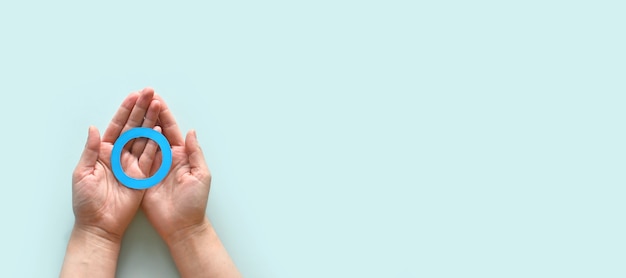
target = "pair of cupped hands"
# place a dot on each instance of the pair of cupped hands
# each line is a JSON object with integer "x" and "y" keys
{"x": 175, "y": 206}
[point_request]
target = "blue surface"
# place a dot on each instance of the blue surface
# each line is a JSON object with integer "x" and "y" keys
{"x": 116, "y": 155}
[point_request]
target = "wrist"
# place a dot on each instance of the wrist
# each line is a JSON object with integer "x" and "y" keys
{"x": 198, "y": 252}
{"x": 188, "y": 233}
{"x": 90, "y": 254}
{"x": 97, "y": 234}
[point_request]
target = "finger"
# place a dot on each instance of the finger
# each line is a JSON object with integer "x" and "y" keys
{"x": 89, "y": 157}
{"x": 146, "y": 160}
{"x": 152, "y": 115}
{"x": 194, "y": 152}
{"x": 169, "y": 125}
{"x": 156, "y": 162}
{"x": 120, "y": 118}
{"x": 139, "y": 110}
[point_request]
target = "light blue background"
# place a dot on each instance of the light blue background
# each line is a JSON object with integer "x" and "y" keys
{"x": 346, "y": 138}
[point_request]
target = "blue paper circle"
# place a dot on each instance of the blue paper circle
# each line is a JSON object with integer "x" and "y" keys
{"x": 116, "y": 156}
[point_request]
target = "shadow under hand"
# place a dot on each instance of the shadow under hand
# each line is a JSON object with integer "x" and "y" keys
{"x": 143, "y": 253}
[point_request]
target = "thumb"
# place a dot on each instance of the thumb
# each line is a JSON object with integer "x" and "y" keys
{"x": 92, "y": 148}
{"x": 194, "y": 152}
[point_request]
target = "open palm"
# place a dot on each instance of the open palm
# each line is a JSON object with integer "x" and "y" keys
{"x": 101, "y": 203}
{"x": 179, "y": 201}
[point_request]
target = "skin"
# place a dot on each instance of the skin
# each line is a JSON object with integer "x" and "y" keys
{"x": 104, "y": 208}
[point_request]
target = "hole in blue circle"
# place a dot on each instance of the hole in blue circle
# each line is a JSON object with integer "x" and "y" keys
{"x": 116, "y": 153}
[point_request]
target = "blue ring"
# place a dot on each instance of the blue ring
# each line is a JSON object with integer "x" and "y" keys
{"x": 116, "y": 156}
